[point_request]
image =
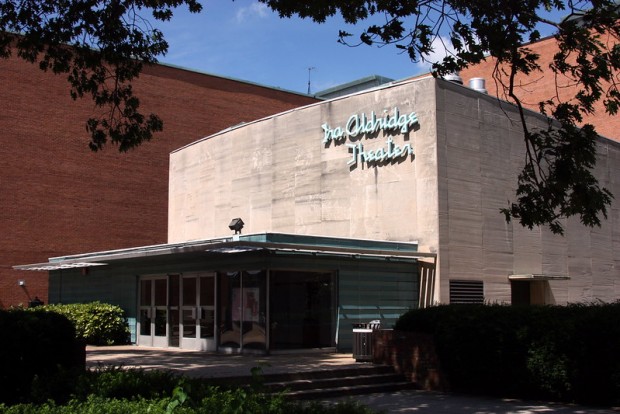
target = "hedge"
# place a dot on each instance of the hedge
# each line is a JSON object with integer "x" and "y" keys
{"x": 96, "y": 323}
{"x": 567, "y": 353}
{"x": 35, "y": 347}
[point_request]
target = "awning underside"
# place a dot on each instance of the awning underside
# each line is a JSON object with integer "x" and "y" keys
{"x": 537, "y": 276}
{"x": 382, "y": 251}
{"x": 44, "y": 267}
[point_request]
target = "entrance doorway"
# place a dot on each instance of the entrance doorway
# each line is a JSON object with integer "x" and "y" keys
{"x": 242, "y": 316}
{"x": 302, "y": 310}
{"x": 198, "y": 312}
{"x": 153, "y": 312}
{"x": 257, "y": 311}
{"x": 528, "y": 292}
{"x": 177, "y": 311}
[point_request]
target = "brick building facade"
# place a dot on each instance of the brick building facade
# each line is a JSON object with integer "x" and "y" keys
{"x": 541, "y": 86}
{"x": 58, "y": 198}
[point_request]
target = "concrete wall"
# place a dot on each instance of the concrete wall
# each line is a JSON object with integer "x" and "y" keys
{"x": 279, "y": 176}
{"x": 481, "y": 152}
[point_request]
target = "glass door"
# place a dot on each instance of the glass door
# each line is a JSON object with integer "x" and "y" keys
{"x": 302, "y": 310}
{"x": 153, "y": 311}
{"x": 206, "y": 312}
{"x": 254, "y": 311}
{"x": 242, "y": 311}
{"x": 177, "y": 311}
{"x": 198, "y": 312}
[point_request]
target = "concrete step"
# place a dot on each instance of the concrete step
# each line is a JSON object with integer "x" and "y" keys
{"x": 364, "y": 389}
{"x": 333, "y": 382}
{"x": 322, "y": 384}
{"x": 318, "y": 374}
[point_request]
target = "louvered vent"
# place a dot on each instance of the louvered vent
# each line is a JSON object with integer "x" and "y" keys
{"x": 466, "y": 291}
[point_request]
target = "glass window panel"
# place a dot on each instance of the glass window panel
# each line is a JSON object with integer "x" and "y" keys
{"x": 145, "y": 322}
{"x": 145, "y": 293}
{"x": 189, "y": 323}
{"x": 161, "y": 292}
{"x": 254, "y": 305}
{"x": 174, "y": 327}
{"x": 207, "y": 323}
{"x": 301, "y": 310}
{"x": 207, "y": 294}
{"x": 160, "y": 322}
{"x": 228, "y": 322}
{"x": 189, "y": 291}
{"x": 174, "y": 290}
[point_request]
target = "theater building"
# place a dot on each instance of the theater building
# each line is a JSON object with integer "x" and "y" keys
{"x": 355, "y": 208}
{"x": 60, "y": 198}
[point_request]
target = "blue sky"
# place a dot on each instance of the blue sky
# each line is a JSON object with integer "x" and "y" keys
{"x": 246, "y": 40}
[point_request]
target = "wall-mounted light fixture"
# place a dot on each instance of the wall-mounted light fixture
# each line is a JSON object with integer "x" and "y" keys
{"x": 21, "y": 282}
{"x": 236, "y": 224}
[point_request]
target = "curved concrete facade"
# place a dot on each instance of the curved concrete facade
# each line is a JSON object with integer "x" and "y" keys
{"x": 277, "y": 174}
{"x": 280, "y": 175}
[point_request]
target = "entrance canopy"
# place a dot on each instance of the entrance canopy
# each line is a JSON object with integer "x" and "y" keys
{"x": 272, "y": 242}
{"x": 245, "y": 293}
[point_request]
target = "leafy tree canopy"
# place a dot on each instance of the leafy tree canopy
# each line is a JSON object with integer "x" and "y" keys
{"x": 556, "y": 181}
{"x": 102, "y": 45}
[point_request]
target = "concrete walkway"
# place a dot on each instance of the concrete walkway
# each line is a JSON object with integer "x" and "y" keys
{"x": 423, "y": 402}
{"x": 210, "y": 365}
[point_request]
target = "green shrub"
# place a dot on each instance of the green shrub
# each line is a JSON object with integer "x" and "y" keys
{"x": 137, "y": 384}
{"x": 118, "y": 383}
{"x": 96, "y": 323}
{"x": 35, "y": 347}
{"x": 101, "y": 394}
{"x": 566, "y": 353}
{"x": 94, "y": 405}
{"x": 222, "y": 403}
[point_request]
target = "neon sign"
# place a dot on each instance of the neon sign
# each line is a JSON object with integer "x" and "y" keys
{"x": 359, "y": 125}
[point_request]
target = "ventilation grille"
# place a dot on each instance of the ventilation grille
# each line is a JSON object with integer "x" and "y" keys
{"x": 466, "y": 291}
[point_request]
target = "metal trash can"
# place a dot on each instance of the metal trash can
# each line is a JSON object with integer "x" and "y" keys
{"x": 362, "y": 340}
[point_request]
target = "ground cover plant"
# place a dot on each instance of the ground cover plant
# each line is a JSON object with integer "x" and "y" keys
{"x": 565, "y": 353}
{"x": 110, "y": 390}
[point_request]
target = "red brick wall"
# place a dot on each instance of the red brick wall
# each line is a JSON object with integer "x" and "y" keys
{"x": 412, "y": 354}
{"x": 59, "y": 198}
{"x": 538, "y": 87}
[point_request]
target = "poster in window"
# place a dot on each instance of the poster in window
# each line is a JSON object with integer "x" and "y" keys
{"x": 250, "y": 300}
